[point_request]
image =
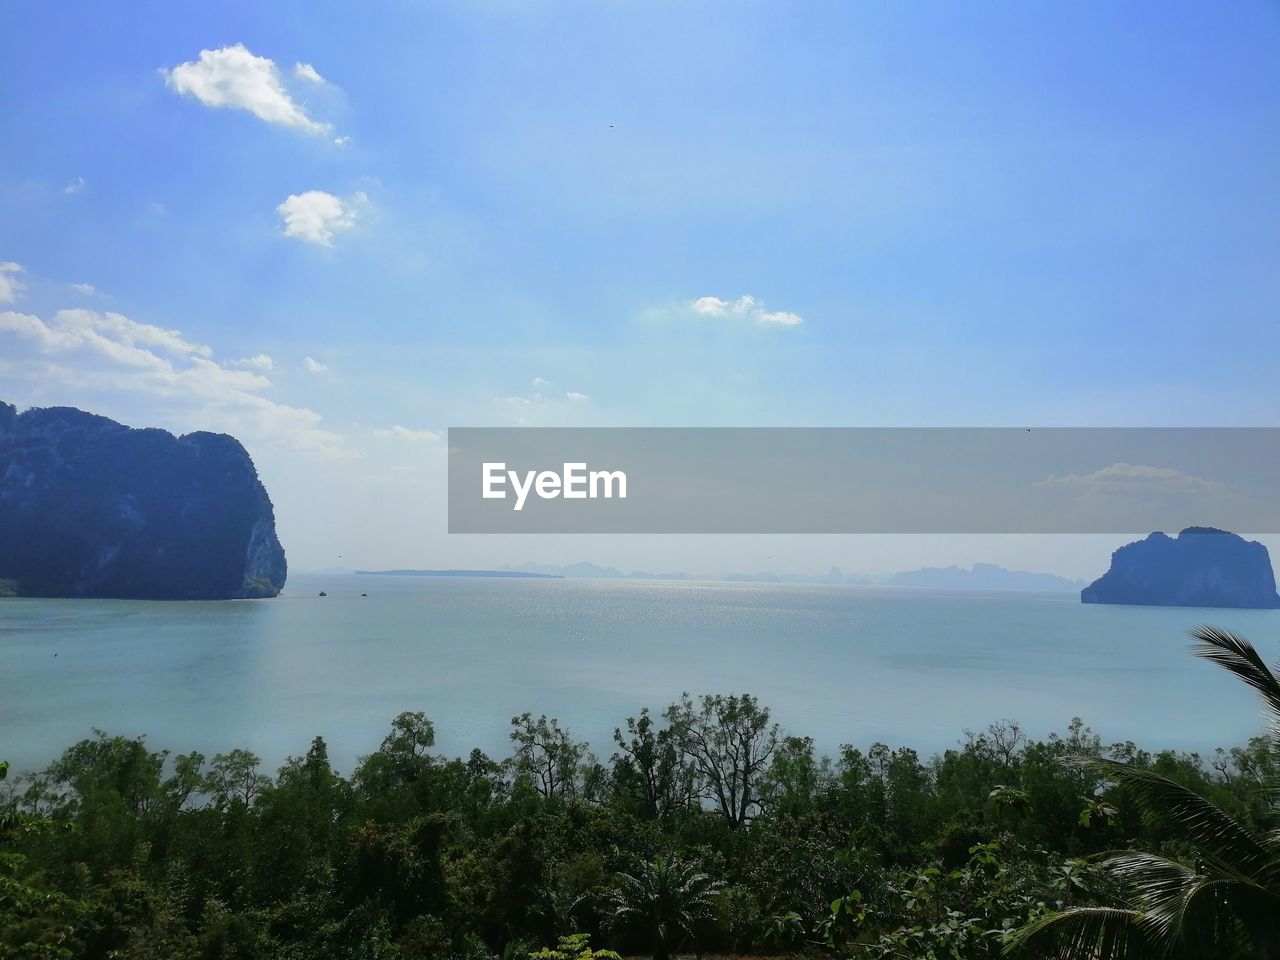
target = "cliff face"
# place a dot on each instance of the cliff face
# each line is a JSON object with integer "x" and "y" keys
{"x": 1201, "y": 567}
{"x": 92, "y": 508}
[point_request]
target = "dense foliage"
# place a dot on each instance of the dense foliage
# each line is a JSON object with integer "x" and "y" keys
{"x": 708, "y": 829}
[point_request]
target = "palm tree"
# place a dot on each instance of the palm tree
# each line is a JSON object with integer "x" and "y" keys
{"x": 1225, "y": 904}
{"x": 668, "y": 897}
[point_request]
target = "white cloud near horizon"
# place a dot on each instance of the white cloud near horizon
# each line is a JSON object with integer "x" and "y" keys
{"x": 234, "y": 77}
{"x": 315, "y": 216}
{"x": 747, "y": 307}
{"x": 10, "y": 286}
{"x": 404, "y": 433}
{"x": 1131, "y": 478}
{"x": 108, "y": 353}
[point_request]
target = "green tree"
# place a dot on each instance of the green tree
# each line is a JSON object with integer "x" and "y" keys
{"x": 548, "y": 757}
{"x": 666, "y": 897}
{"x": 37, "y": 921}
{"x": 730, "y": 741}
{"x": 233, "y": 778}
{"x": 650, "y": 769}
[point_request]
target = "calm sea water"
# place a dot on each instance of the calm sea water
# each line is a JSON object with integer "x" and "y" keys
{"x": 840, "y": 664}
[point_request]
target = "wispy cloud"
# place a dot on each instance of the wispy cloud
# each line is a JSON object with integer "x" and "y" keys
{"x": 258, "y": 362}
{"x": 315, "y": 216}
{"x": 74, "y": 186}
{"x": 10, "y": 286}
{"x": 314, "y": 366}
{"x": 236, "y": 78}
{"x": 305, "y": 71}
{"x": 746, "y": 307}
{"x": 1133, "y": 478}
{"x": 107, "y": 353}
{"x": 541, "y": 396}
{"x": 404, "y": 433}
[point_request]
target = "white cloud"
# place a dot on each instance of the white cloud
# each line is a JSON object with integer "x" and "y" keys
{"x": 1132, "y": 478}
{"x": 780, "y": 318}
{"x": 120, "y": 329}
{"x": 305, "y": 71}
{"x": 342, "y": 141}
{"x": 746, "y": 307}
{"x": 233, "y": 77}
{"x": 259, "y": 362}
{"x": 540, "y": 399}
{"x": 10, "y": 286}
{"x": 404, "y": 433}
{"x": 74, "y": 186}
{"x": 315, "y": 216}
{"x": 82, "y": 350}
{"x": 87, "y": 289}
{"x": 315, "y": 366}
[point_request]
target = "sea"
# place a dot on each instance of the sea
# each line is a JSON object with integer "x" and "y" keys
{"x": 840, "y": 664}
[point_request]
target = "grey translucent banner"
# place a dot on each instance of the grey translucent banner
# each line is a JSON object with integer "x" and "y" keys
{"x": 856, "y": 480}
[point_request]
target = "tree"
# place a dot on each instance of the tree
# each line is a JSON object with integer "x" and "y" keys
{"x": 667, "y": 897}
{"x": 38, "y": 922}
{"x": 651, "y": 769}
{"x": 1224, "y": 903}
{"x": 729, "y": 741}
{"x": 547, "y": 756}
{"x": 234, "y": 778}
{"x": 411, "y": 736}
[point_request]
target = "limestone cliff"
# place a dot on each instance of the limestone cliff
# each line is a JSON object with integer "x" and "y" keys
{"x": 1201, "y": 567}
{"x": 92, "y": 508}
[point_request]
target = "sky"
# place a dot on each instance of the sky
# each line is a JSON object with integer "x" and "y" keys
{"x": 337, "y": 230}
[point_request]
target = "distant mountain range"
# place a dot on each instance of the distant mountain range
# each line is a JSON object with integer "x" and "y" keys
{"x": 500, "y": 574}
{"x": 982, "y": 576}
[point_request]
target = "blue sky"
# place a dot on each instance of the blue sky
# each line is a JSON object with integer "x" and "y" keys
{"x": 980, "y": 214}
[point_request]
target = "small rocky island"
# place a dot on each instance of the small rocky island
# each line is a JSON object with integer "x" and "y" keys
{"x": 92, "y": 508}
{"x": 1200, "y": 567}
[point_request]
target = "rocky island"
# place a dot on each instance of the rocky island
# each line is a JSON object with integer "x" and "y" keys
{"x": 1200, "y": 567}
{"x": 92, "y": 508}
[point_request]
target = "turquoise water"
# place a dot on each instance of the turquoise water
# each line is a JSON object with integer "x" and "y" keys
{"x": 840, "y": 664}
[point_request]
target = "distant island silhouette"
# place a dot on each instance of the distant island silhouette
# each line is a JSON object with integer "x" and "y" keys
{"x": 1200, "y": 567}
{"x": 502, "y": 574}
{"x": 982, "y": 576}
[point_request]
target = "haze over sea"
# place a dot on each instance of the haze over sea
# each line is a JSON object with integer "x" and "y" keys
{"x": 840, "y": 664}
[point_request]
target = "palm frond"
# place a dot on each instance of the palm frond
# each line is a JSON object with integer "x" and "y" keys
{"x": 1238, "y": 655}
{"x": 1096, "y": 933}
{"x": 1189, "y": 909}
{"x": 1189, "y": 816}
